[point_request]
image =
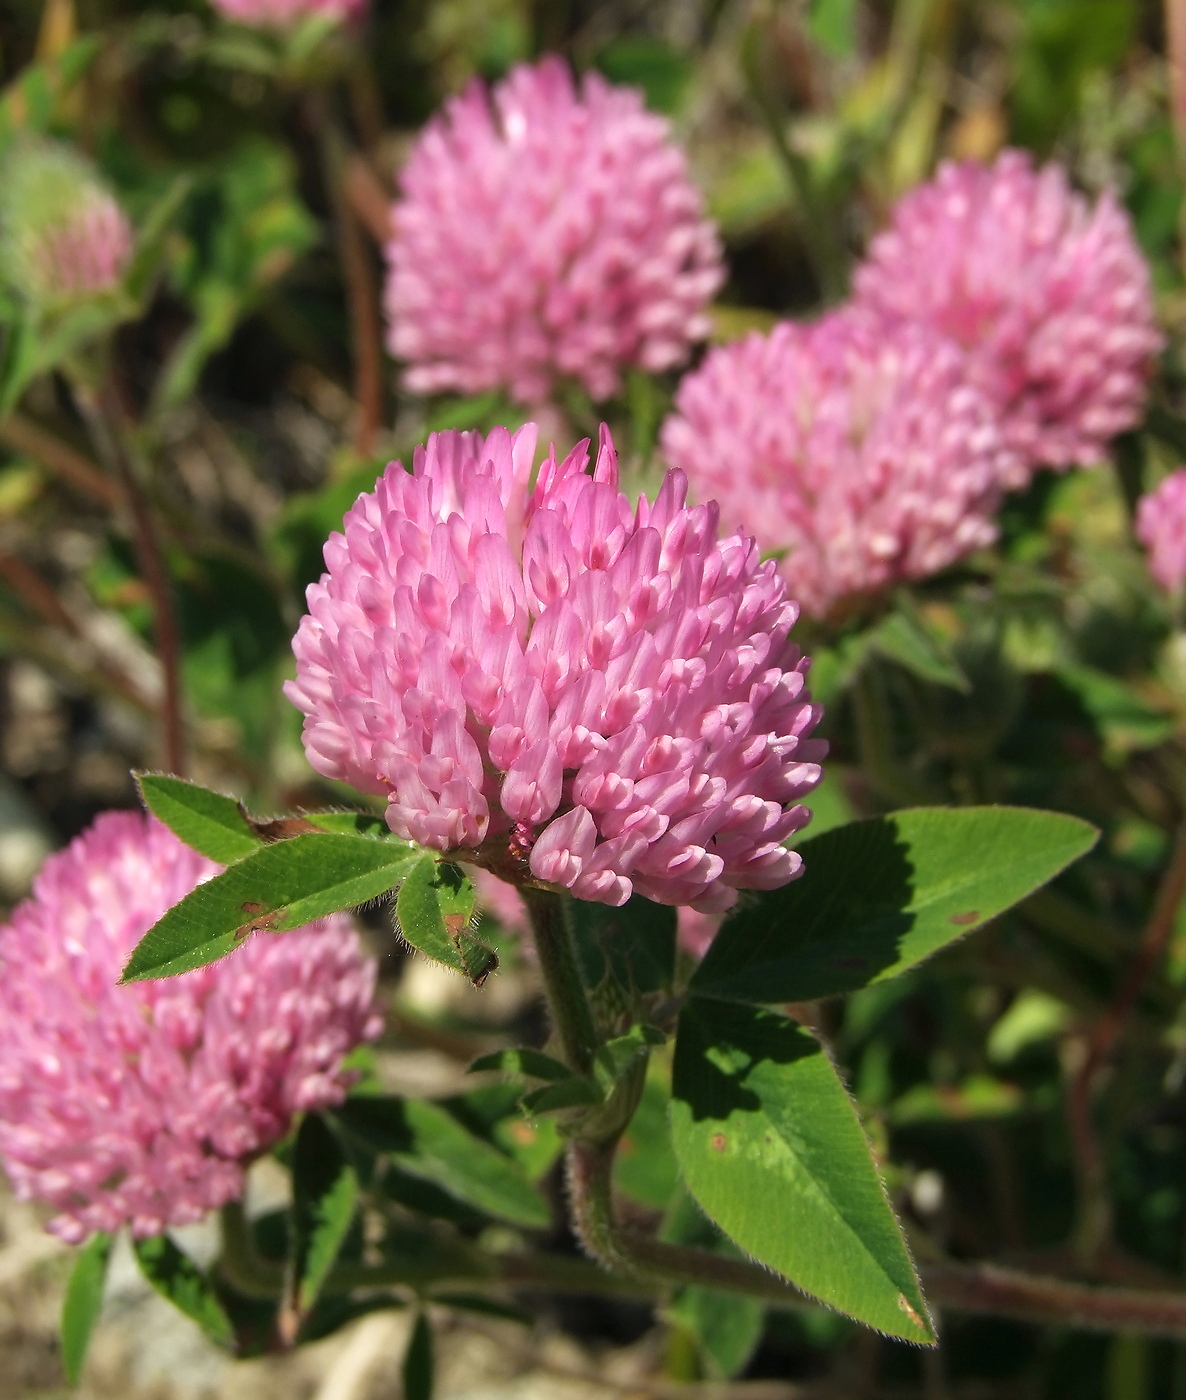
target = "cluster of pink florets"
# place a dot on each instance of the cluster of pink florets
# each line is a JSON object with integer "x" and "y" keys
{"x": 998, "y": 324}
{"x": 1048, "y": 297}
{"x": 1161, "y": 528}
{"x": 141, "y": 1105}
{"x": 547, "y": 232}
{"x": 608, "y": 690}
{"x": 864, "y": 454}
{"x": 88, "y": 255}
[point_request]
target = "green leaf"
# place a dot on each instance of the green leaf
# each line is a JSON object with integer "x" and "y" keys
{"x": 279, "y": 887}
{"x": 771, "y": 1147}
{"x": 82, "y": 1303}
{"x": 434, "y": 908}
{"x": 833, "y": 26}
{"x": 569, "y": 1093}
{"x": 487, "y": 1307}
{"x": 1125, "y": 721}
{"x": 212, "y": 824}
{"x": 176, "y": 1277}
{"x": 617, "y": 1057}
{"x": 644, "y": 1164}
{"x": 878, "y": 896}
{"x": 418, "y": 1362}
{"x": 633, "y": 945}
{"x": 429, "y": 1142}
{"x": 325, "y": 1197}
{"x": 727, "y": 1326}
{"x": 522, "y": 1060}
{"x": 902, "y": 637}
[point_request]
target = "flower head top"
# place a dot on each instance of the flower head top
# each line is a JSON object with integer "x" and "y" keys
{"x": 1161, "y": 528}
{"x": 1049, "y": 297}
{"x": 547, "y": 232}
{"x": 284, "y": 14}
{"x": 63, "y": 237}
{"x": 140, "y": 1105}
{"x": 584, "y": 693}
{"x": 857, "y": 451}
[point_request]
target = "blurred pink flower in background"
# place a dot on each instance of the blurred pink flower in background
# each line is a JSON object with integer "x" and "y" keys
{"x": 1050, "y": 298}
{"x": 141, "y": 1105}
{"x": 605, "y": 696}
{"x": 282, "y": 14}
{"x": 64, "y": 238}
{"x": 857, "y": 451}
{"x": 1161, "y": 528}
{"x": 544, "y": 232}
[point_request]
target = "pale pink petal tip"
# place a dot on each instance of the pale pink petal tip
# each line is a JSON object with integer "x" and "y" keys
{"x": 284, "y": 14}
{"x": 141, "y": 1105}
{"x": 558, "y": 684}
{"x": 1049, "y": 296}
{"x": 546, "y": 231}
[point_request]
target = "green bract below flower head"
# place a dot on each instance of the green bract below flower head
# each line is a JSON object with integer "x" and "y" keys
{"x": 64, "y": 239}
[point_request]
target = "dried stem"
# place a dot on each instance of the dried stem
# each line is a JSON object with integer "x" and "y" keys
{"x": 23, "y": 435}
{"x": 362, "y": 293}
{"x": 105, "y": 418}
{"x": 1094, "y": 1212}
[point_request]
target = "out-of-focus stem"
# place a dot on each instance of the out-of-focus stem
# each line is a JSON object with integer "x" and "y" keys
{"x": 871, "y": 711}
{"x": 1094, "y": 1211}
{"x": 362, "y": 294}
{"x": 238, "y": 1261}
{"x": 1175, "y": 38}
{"x": 105, "y": 418}
{"x": 22, "y": 435}
{"x": 823, "y": 248}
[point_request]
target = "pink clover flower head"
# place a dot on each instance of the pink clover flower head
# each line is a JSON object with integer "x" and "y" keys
{"x": 1049, "y": 296}
{"x": 286, "y": 14}
{"x": 858, "y": 452}
{"x": 141, "y": 1105}
{"x": 557, "y": 685}
{"x": 64, "y": 238}
{"x": 1161, "y": 528}
{"x": 546, "y": 231}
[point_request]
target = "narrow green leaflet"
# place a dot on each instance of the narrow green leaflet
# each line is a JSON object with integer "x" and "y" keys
{"x": 771, "y": 1147}
{"x": 434, "y": 908}
{"x": 325, "y": 1196}
{"x": 176, "y": 1277}
{"x": 727, "y": 1326}
{"x": 83, "y": 1300}
{"x": 278, "y": 887}
{"x": 30, "y": 101}
{"x": 418, "y": 1362}
{"x": 878, "y": 896}
{"x": 524, "y": 1061}
{"x": 209, "y": 822}
{"x": 903, "y": 638}
{"x": 426, "y": 1140}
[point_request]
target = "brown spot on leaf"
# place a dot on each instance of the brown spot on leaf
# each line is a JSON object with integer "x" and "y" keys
{"x": 904, "y": 1304}
{"x": 718, "y": 1141}
{"x": 968, "y": 918}
{"x": 282, "y": 829}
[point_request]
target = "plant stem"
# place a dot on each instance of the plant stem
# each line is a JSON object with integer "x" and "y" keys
{"x": 239, "y": 1263}
{"x": 1094, "y": 1211}
{"x": 362, "y": 294}
{"x": 23, "y": 435}
{"x": 105, "y": 418}
{"x": 889, "y": 778}
{"x": 565, "y": 990}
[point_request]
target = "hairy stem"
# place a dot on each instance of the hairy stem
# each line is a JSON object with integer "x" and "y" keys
{"x": 567, "y": 999}
{"x": 105, "y": 418}
{"x": 1094, "y": 1224}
